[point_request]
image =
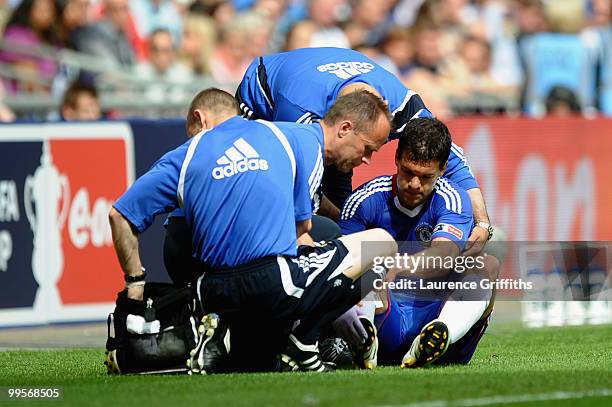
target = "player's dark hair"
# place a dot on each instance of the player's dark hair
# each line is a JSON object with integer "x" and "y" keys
{"x": 424, "y": 140}
{"x": 211, "y": 99}
{"x": 361, "y": 107}
{"x": 75, "y": 90}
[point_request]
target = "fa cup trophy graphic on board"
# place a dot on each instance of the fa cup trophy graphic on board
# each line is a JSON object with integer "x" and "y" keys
{"x": 43, "y": 193}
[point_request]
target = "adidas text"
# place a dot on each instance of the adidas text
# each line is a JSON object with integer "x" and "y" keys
{"x": 231, "y": 169}
{"x": 346, "y": 70}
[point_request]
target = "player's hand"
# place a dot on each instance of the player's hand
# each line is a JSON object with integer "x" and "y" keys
{"x": 476, "y": 242}
{"x": 349, "y": 328}
{"x": 136, "y": 293}
{"x": 305, "y": 240}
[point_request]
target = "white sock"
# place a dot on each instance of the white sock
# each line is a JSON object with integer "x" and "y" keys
{"x": 460, "y": 316}
{"x": 368, "y": 305}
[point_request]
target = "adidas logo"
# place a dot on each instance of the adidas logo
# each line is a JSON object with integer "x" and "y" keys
{"x": 346, "y": 70}
{"x": 240, "y": 157}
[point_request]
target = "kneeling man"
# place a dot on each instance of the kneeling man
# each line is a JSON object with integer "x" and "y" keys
{"x": 246, "y": 190}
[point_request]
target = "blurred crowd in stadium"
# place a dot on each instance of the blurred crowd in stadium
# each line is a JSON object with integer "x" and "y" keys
{"x": 461, "y": 56}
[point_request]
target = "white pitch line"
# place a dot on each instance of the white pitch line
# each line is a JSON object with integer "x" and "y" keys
{"x": 485, "y": 401}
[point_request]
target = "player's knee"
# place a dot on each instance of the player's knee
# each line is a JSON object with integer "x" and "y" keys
{"x": 370, "y": 243}
{"x": 388, "y": 243}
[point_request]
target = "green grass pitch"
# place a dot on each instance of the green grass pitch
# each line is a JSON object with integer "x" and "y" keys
{"x": 509, "y": 362}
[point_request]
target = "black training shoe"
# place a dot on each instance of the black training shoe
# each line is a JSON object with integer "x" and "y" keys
{"x": 213, "y": 347}
{"x": 366, "y": 355}
{"x": 428, "y": 346}
{"x": 335, "y": 351}
{"x": 299, "y": 356}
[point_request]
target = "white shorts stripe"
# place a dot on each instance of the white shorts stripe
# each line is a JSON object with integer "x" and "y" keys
{"x": 287, "y": 281}
{"x": 318, "y": 262}
{"x": 317, "y": 257}
{"x": 345, "y": 264}
{"x": 320, "y": 266}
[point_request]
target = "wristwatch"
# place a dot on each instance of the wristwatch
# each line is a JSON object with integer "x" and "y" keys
{"x": 488, "y": 227}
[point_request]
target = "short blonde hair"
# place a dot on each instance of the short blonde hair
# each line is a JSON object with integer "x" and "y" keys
{"x": 362, "y": 108}
{"x": 211, "y": 99}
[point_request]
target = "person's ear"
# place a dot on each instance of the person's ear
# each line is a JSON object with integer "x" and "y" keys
{"x": 345, "y": 128}
{"x": 201, "y": 118}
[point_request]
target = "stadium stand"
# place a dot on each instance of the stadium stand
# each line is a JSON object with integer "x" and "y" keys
{"x": 480, "y": 43}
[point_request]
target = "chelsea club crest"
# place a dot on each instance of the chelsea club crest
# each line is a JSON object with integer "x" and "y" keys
{"x": 423, "y": 233}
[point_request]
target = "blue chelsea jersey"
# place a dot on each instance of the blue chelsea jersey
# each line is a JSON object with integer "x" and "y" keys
{"x": 446, "y": 213}
{"x": 242, "y": 186}
{"x": 302, "y": 85}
